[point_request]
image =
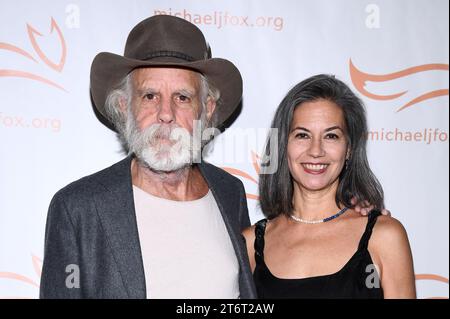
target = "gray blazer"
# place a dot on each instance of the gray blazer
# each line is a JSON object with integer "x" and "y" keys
{"x": 91, "y": 223}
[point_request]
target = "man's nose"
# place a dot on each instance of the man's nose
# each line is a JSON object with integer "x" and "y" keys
{"x": 166, "y": 113}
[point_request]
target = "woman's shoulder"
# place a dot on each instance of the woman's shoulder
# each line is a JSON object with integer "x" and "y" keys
{"x": 388, "y": 233}
{"x": 393, "y": 255}
{"x": 388, "y": 226}
{"x": 249, "y": 232}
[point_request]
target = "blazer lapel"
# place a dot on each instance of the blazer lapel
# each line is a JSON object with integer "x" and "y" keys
{"x": 118, "y": 217}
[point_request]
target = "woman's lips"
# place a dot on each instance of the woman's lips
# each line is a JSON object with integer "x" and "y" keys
{"x": 315, "y": 169}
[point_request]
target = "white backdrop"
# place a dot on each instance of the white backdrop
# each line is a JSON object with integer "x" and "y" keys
{"x": 49, "y": 135}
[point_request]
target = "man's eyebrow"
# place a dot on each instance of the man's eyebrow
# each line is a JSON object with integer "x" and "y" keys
{"x": 187, "y": 92}
{"x": 141, "y": 91}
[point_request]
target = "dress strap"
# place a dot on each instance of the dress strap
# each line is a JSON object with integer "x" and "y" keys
{"x": 260, "y": 229}
{"x": 372, "y": 219}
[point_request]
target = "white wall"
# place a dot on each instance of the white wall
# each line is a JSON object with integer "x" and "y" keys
{"x": 49, "y": 135}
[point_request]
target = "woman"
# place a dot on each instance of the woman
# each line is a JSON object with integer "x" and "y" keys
{"x": 313, "y": 243}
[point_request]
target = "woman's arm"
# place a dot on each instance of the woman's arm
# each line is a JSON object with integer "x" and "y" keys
{"x": 390, "y": 245}
{"x": 249, "y": 235}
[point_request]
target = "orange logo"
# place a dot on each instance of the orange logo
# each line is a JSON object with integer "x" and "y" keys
{"x": 237, "y": 172}
{"x": 37, "y": 265}
{"x": 360, "y": 78}
{"x": 433, "y": 278}
{"x": 56, "y": 66}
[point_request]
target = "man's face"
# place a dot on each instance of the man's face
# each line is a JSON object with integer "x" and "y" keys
{"x": 160, "y": 119}
{"x": 166, "y": 96}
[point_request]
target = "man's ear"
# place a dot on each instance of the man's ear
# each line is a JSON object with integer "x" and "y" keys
{"x": 210, "y": 107}
{"x": 123, "y": 105}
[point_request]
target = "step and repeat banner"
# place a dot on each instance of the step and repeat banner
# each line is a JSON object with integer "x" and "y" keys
{"x": 394, "y": 54}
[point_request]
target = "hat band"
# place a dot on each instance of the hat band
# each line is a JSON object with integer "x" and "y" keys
{"x": 170, "y": 54}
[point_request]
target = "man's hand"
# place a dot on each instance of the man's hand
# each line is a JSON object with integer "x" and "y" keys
{"x": 364, "y": 208}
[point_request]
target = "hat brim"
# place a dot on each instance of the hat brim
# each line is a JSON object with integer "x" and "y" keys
{"x": 108, "y": 69}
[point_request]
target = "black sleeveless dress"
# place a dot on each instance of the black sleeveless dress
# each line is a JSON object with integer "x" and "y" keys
{"x": 357, "y": 279}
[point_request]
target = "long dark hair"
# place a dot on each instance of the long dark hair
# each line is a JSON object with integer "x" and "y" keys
{"x": 356, "y": 179}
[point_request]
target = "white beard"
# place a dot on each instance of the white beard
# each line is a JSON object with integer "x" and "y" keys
{"x": 162, "y": 147}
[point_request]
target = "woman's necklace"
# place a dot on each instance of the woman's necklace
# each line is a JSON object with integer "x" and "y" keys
{"x": 298, "y": 219}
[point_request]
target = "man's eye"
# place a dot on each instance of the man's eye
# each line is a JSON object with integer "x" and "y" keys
{"x": 149, "y": 96}
{"x": 183, "y": 98}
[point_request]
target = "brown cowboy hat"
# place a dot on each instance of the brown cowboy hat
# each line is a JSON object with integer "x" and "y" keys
{"x": 161, "y": 41}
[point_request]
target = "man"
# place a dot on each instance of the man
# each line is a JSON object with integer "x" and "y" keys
{"x": 160, "y": 223}
{"x": 156, "y": 224}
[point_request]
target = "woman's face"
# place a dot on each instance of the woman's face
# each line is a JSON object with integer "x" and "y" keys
{"x": 317, "y": 145}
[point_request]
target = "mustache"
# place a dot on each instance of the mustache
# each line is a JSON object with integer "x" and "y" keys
{"x": 169, "y": 132}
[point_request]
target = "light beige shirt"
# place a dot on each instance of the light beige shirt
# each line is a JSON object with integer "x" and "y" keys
{"x": 186, "y": 249}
